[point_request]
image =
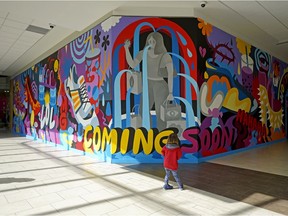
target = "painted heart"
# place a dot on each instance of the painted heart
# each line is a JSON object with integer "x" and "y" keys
{"x": 202, "y": 51}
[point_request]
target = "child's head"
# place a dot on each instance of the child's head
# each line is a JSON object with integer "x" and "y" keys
{"x": 173, "y": 138}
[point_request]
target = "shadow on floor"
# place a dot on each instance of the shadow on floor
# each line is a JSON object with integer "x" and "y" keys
{"x": 260, "y": 189}
{"x": 12, "y": 180}
{"x": 6, "y": 133}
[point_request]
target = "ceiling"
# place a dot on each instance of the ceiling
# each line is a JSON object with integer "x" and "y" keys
{"x": 263, "y": 24}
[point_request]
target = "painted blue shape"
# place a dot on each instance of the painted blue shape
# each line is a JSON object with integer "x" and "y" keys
{"x": 195, "y": 86}
{"x": 103, "y": 100}
{"x": 97, "y": 64}
{"x": 53, "y": 96}
{"x": 136, "y": 39}
{"x": 182, "y": 39}
{"x": 115, "y": 58}
{"x": 192, "y": 66}
{"x": 128, "y": 117}
{"x": 79, "y": 131}
{"x": 108, "y": 87}
{"x": 41, "y": 94}
{"x": 187, "y": 72}
{"x": 95, "y": 92}
{"x": 145, "y": 96}
{"x": 190, "y": 120}
{"x": 108, "y": 109}
{"x": 117, "y": 98}
{"x": 189, "y": 53}
{"x": 79, "y": 53}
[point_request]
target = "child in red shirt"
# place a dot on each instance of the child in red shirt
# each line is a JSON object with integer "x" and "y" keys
{"x": 172, "y": 153}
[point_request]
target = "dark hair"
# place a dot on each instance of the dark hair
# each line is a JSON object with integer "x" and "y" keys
{"x": 173, "y": 139}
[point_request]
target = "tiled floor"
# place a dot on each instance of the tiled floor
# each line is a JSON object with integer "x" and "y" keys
{"x": 39, "y": 179}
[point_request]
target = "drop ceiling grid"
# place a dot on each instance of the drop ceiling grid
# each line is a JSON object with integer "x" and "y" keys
{"x": 15, "y": 24}
{"x": 17, "y": 40}
{"x": 258, "y": 16}
{"x": 280, "y": 13}
{"x": 278, "y": 9}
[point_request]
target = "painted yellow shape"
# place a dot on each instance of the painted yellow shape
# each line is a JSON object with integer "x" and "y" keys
{"x": 47, "y": 98}
{"x": 206, "y": 76}
{"x": 232, "y": 101}
{"x": 32, "y": 118}
{"x": 274, "y": 117}
{"x": 56, "y": 65}
{"x": 238, "y": 69}
{"x": 243, "y": 47}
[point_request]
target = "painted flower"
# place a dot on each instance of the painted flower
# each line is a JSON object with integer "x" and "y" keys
{"x": 105, "y": 42}
{"x": 97, "y": 36}
{"x": 206, "y": 27}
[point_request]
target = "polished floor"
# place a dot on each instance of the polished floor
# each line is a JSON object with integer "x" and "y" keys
{"x": 41, "y": 179}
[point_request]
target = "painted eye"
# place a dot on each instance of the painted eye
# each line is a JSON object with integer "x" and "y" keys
{"x": 172, "y": 113}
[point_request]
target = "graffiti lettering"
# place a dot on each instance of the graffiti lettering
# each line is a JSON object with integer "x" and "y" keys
{"x": 46, "y": 118}
{"x": 96, "y": 139}
{"x": 251, "y": 122}
{"x": 206, "y": 140}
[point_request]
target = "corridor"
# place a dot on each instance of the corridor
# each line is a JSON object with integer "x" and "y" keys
{"x": 41, "y": 179}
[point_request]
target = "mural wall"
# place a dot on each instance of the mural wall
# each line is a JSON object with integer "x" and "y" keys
{"x": 121, "y": 88}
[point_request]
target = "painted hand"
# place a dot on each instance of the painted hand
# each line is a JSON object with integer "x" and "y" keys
{"x": 127, "y": 43}
{"x": 170, "y": 97}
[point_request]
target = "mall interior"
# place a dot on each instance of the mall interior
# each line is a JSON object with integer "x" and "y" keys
{"x": 88, "y": 101}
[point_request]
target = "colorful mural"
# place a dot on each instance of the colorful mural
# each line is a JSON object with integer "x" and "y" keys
{"x": 121, "y": 88}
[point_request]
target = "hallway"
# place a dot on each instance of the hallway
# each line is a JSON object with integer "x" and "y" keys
{"x": 41, "y": 179}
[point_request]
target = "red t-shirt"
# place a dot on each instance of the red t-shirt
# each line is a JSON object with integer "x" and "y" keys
{"x": 172, "y": 153}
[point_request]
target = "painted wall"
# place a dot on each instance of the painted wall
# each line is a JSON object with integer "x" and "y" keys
{"x": 217, "y": 92}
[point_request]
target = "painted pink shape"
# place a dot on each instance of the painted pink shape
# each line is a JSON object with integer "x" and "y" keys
{"x": 202, "y": 51}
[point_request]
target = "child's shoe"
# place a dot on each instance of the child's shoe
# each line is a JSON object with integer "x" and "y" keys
{"x": 167, "y": 187}
{"x": 181, "y": 187}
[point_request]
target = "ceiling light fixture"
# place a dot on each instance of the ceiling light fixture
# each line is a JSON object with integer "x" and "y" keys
{"x": 37, "y": 29}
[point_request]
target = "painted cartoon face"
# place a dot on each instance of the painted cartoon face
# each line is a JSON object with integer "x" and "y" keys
{"x": 152, "y": 42}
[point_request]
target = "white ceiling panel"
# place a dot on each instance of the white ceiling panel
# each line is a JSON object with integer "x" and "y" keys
{"x": 4, "y": 50}
{"x": 278, "y": 9}
{"x": 1, "y": 21}
{"x": 28, "y": 34}
{"x": 22, "y": 44}
{"x": 259, "y": 16}
{"x": 15, "y": 51}
{"x": 260, "y": 23}
{"x": 3, "y": 14}
{"x": 14, "y": 24}
{"x": 11, "y": 30}
{"x": 31, "y": 40}
{"x": 4, "y": 63}
{"x": 7, "y": 41}
{"x": 19, "y": 17}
